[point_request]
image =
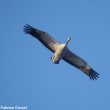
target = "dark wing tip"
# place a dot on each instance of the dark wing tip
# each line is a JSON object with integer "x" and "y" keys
{"x": 28, "y": 29}
{"x": 93, "y": 75}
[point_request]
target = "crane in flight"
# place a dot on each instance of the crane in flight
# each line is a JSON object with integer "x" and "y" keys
{"x": 61, "y": 51}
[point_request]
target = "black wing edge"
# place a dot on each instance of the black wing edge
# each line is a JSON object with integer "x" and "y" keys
{"x": 93, "y": 74}
{"x": 28, "y": 29}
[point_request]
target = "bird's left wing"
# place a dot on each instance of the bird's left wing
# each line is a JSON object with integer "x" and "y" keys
{"x": 79, "y": 63}
{"x": 43, "y": 37}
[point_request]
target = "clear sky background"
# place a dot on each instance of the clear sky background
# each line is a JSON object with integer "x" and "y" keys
{"x": 27, "y": 75}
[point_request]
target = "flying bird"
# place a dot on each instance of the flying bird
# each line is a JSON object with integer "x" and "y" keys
{"x": 61, "y": 51}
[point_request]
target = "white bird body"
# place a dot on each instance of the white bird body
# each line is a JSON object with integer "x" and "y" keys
{"x": 61, "y": 51}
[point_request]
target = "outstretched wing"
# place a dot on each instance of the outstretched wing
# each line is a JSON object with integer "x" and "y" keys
{"x": 43, "y": 37}
{"x": 79, "y": 63}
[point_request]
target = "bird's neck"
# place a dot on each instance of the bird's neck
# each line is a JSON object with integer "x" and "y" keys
{"x": 68, "y": 40}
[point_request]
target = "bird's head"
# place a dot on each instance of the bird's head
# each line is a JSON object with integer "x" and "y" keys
{"x": 68, "y": 39}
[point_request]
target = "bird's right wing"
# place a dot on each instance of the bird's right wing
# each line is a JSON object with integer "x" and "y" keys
{"x": 43, "y": 37}
{"x": 73, "y": 59}
{"x": 79, "y": 63}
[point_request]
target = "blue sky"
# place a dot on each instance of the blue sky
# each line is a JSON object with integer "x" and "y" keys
{"x": 27, "y": 75}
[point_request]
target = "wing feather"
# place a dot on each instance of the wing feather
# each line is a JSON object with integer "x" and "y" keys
{"x": 42, "y": 36}
{"x": 81, "y": 64}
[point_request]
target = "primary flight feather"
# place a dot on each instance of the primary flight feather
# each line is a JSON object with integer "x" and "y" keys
{"x": 61, "y": 51}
